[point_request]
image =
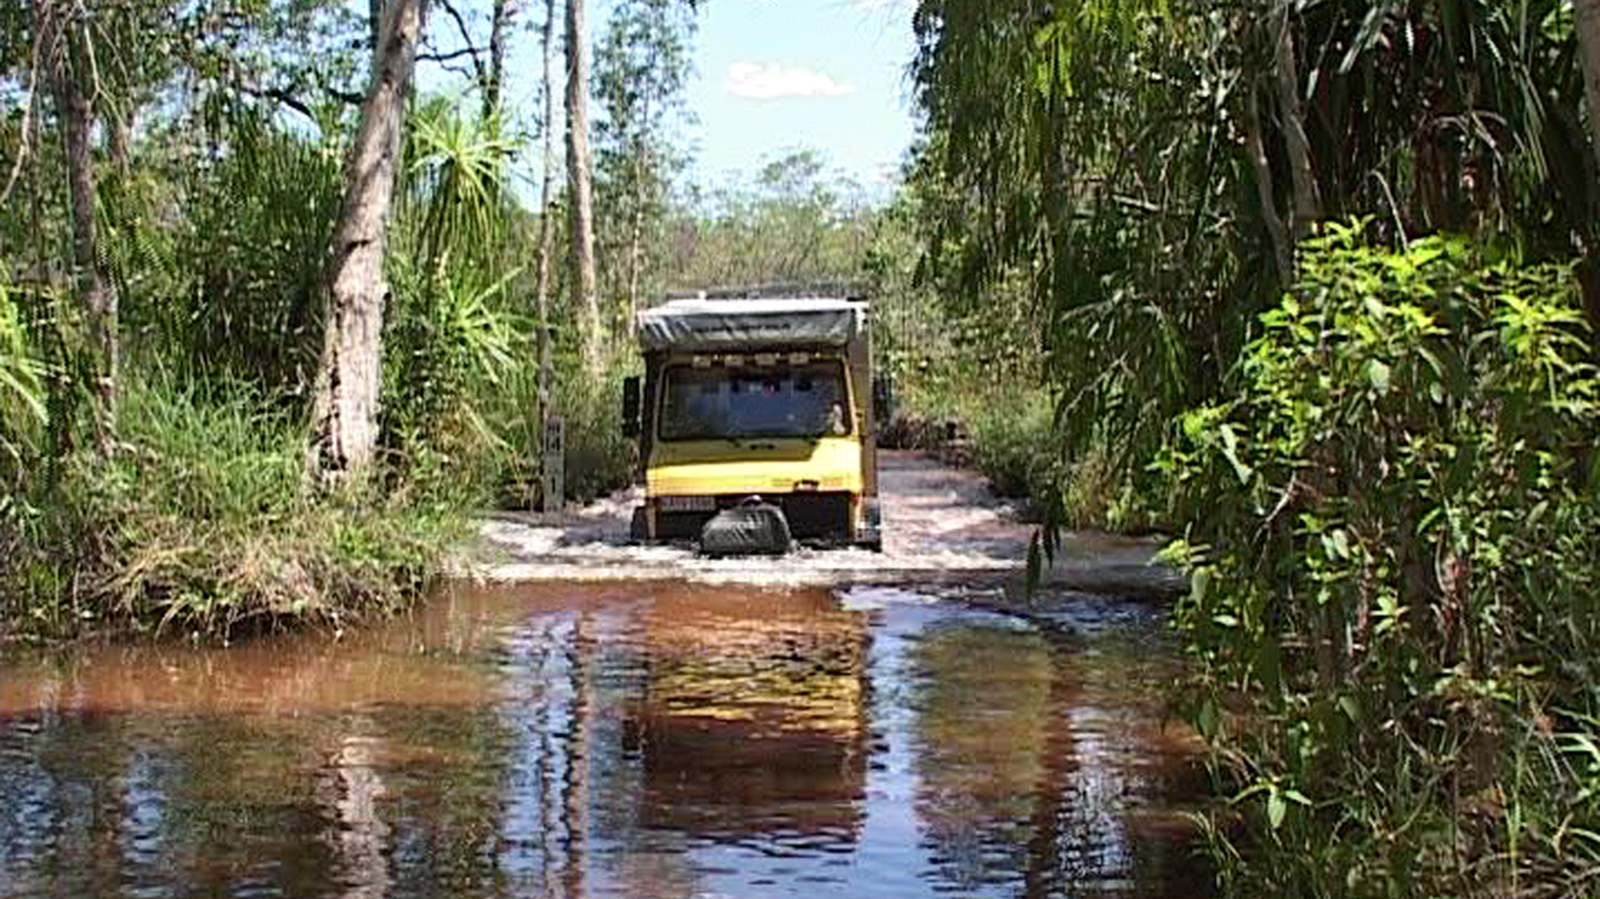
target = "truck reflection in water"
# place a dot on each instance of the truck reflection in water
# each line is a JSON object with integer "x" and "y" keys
{"x": 753, "y": 723}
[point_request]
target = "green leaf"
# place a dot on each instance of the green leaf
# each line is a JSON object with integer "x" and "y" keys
{"x": 1230, "y": 449}
{"x": 1207, "y": 720}
{"x": 1276, "y": 808}
{"x": 1378, "y": 374}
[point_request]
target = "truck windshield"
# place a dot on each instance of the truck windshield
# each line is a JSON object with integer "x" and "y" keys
{"x": 784, "y": 401}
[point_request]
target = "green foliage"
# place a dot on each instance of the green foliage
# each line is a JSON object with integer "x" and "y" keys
{"x": 641, "y": 72}
{"x": 1092, "y": 159}
{"x": 798, "y": 223}
{"x": 455, "y": 331}
{"x": 22, "y": 395}
{"x": 449, "y": 342}
{"x": 203, "y": 523}
{"x": 1391, "y": 516}
{"x": 599, "y": 458}
{"x": 1080, "y": 176}
{"x": 258, "y": 227}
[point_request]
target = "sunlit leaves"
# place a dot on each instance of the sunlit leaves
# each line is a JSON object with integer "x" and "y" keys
{"x": 1396, "y": 484}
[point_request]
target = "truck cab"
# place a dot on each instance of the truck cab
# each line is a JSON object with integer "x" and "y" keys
{"x": 756, "y": 397}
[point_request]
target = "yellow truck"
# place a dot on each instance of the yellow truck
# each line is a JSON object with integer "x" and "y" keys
{"x": 755, "y": 412}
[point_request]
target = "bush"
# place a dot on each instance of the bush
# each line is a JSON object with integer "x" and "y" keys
{"x": 1017, "y": 442}
{"x": 1391, "y": 522}
{"x": 599, "y": 458}
{"x": 202, "y": 523}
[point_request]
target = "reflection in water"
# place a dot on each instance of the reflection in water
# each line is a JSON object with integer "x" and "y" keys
{"x": 627, "y": 740}
{"x": 752, "y": 724}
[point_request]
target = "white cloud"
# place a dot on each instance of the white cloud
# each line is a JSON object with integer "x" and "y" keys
{"x": 769, "y": 81}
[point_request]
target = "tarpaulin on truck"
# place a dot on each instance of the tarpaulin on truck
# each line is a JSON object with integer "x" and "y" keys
{"x": 718, "y": 325}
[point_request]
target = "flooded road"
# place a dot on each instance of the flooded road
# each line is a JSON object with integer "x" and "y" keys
{"x": 613, "y": 739}
{"x": 941, "y": 525}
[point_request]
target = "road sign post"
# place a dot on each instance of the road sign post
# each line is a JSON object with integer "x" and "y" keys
{"x": 553, "y": 475}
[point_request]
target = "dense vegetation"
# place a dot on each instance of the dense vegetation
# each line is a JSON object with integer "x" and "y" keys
{"x": 1318, "y": 285}
{"x": 180, "y": 284}
{"x": 1310, "y": 286}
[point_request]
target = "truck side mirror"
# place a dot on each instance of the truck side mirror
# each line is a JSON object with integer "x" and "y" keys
{"x": 632, "y": 405}
{"x": 882, "y": 399}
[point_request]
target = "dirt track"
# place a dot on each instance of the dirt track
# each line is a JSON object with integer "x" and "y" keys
{"x": 941, "y": 525}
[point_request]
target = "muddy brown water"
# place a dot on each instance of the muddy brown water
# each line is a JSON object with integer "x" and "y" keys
{"x": 622, "y": 739}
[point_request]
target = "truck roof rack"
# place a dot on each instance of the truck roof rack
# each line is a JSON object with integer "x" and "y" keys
{"x": 801, "y": 290}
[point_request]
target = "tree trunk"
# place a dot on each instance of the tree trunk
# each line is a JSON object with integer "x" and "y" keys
{"x": 119, "y": 139}
{"x": 580, "y": 200}
{"x": 499, "y": 24}
{"x": 345, "y": 406}
{"x": 1307, "y": 204}
{"x": 541, "y": 308}
{"x": 1587, "y": 15}
{"x": 1587, "y": 21}
{"x": 1266, "y": 195}
{"x": 636, "y": 229}
{"x": 67, "y": 43}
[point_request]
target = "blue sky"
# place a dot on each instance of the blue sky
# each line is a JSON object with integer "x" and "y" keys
{"x": 824, "y": 74}
{"x": 770, "y": 76}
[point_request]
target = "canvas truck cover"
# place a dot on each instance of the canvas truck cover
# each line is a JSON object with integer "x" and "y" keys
{"x": 714, "y": 325}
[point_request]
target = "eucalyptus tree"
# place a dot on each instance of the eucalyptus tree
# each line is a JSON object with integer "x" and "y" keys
{"x": 546, "y": 247}
{"x": 580, "y": 192}
{"x": 67, "y": 34}
{"x": 641, "y": 68}
{"x": 345, "y": 403}
{"x": 501, "y": 19}
{"x": 799, "y": 221}
{"x": 1588, "y": 28}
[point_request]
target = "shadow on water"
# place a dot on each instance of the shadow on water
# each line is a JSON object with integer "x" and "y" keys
{"x": 612, "y": 740}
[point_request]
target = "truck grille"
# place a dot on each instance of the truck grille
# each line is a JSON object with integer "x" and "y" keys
{"x": 812, "y": 516}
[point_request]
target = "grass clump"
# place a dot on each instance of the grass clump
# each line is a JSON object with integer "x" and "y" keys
{"x": 201, "y": 522}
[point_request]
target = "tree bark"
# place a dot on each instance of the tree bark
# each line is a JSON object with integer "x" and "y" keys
{"x": 345, "y": 405}
{"x": 580, "y": 200}
{"x": 68, "y": 50}
{"x": 1266, "y": 195}
{"x": 499, "y": 24}
{"x": 1587, "y": 15}
{"x": 541, "y": 308}
{"x": 1307, "y": 203}
{"x": 636, "y": 227}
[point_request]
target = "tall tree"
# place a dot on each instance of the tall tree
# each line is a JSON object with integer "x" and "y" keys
{"x": 1587, "y": 14}
{"x": 64, "y": 30}
{"x": 1291, "y": 112}
{"x": 580, "y": 192}
{"x": 641, "y": 68}
{"x": 345, "y": 404}
{"x": 541, "y": 309}
{"x": 500, "y": 21}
